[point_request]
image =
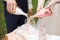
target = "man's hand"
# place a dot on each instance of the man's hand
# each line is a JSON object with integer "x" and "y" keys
{"x": 11, "y": 6}
{"x": 30, "y": 12}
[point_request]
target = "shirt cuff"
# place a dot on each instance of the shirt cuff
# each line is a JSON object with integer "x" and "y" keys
{"x": 30, "y": 6}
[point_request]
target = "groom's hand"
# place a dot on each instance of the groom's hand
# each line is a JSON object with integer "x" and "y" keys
{"x": 11, "y": 6}
{"x": 30, "y": 11}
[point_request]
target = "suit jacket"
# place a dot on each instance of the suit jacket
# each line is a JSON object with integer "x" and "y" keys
{"x": 23, "y": 4}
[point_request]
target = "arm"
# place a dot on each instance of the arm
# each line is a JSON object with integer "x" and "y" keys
{"x": 40, "y": 4}
{"x": 30, "y": 7}
{"x": 53, "y": 2}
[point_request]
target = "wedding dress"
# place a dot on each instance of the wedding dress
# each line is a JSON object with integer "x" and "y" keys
{"x": 52, "y": 23}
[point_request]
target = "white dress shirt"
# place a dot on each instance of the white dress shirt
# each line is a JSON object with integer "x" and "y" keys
{"x": 30, "y": 4}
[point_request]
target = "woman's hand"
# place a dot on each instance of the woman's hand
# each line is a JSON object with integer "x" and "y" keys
{"x": 11, "y": 6}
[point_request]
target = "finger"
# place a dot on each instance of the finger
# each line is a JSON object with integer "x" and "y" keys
{"x": 14, "y": 8}
{"x": 9, "y": 7}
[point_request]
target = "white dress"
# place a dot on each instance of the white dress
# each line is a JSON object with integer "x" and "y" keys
{"x": 52, "y": 23}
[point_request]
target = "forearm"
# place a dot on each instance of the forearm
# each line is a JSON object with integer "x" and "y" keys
{"x": 40, "y": 4}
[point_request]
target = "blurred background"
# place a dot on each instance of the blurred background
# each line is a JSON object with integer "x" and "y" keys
{"x": 2, "y": 19}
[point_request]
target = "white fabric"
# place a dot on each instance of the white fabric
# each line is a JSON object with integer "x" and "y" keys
{"x": 20, "y": 12}
{"x": 28, "y": 31}
{"x": 52, "y": 23}
{"x": 52, "y": 37}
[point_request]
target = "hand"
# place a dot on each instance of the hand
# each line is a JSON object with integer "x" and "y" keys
{"x": 43, "y": 13}
{"x": 30, "y": 12}
{"x": 11, "y": 6}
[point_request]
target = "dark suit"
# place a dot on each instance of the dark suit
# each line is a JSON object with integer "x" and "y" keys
{"x": 12, "y": 21}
